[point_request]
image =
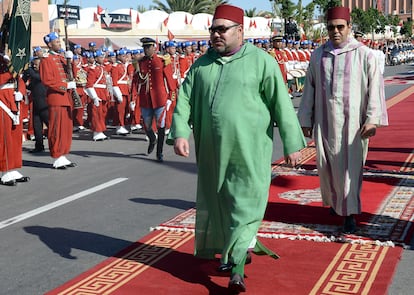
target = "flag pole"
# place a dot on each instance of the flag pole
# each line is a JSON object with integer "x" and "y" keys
{"x": 77, "y": 102}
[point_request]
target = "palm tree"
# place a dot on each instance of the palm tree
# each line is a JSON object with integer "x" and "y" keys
{"x": 214, "y": 4}
{"x": 190, "y": 6}
{"x": 250, "y": 12}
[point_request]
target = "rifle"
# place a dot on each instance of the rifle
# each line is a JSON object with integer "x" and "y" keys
{"x": 77, "y": 102}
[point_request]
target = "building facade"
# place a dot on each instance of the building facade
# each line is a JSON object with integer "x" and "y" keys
{"x": 40, "y": 19}
{"x": 402, "y": 8}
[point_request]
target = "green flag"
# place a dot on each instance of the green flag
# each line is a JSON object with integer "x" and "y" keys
{"x": 19, "y": 35}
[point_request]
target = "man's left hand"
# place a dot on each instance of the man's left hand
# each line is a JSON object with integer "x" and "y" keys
{"x": 294, "y": 159}
{"x": 368, "y": 130}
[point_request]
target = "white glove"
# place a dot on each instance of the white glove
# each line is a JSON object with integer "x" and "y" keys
{"x": 118, "y": 93}
{"x": 69, "y": 54}
{"x": 96, "y": 101}
{"x": 71, "y": 85}
{"x": 132, "y": 105}
{"x": 169, "y": 102}
{"x": 6, "y": 57}
{"x": 18, "y": 96}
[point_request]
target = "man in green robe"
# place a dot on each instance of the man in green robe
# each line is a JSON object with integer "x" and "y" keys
{"x": 231, "y": 97}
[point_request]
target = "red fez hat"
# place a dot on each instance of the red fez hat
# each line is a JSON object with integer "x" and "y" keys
{"x": 229, "y": 12}
{"x": 339, "y": 13}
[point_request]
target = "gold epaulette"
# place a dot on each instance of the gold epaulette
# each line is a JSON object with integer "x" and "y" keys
{"x": 166, "y": 58}
{"x": 272, "y": 53}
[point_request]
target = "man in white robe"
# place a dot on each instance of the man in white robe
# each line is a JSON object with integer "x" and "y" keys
{"x": 342, "y": 105}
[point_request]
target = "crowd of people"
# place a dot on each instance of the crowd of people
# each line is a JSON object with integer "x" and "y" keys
{"x": 176, "y": 89}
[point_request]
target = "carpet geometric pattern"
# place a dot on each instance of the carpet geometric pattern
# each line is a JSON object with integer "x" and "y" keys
{"x": 390, "y": 224}
{"x": 387, "y": 191}
{"x": 162, "y": 263}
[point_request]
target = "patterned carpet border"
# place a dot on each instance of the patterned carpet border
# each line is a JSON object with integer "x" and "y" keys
{"x": 391, "y": 225}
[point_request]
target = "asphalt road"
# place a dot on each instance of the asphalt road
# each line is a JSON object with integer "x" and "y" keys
{"x": 62, "y": 223}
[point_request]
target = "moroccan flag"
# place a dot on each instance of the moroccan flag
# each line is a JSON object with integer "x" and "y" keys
{"x": 170, "y": 35}
{"x": 99, "y": 10}
{"x": 19, "y": 34}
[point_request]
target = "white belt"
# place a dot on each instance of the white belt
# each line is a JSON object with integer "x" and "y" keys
{"x": 99, "y": 86}
{"x": 15, "y": 117}
{"x": 123, "y": 82}
{"x": 7, "y": 86}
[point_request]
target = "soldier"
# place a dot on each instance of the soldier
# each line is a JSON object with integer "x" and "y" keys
{"x": 97, "y": 90}
{"x": 203, "y": 46}
{"x": 92, "y": 47}
{"x": 10, "y": 126}
{"x": 38, "y": 52}
{"x": 170, "y": 47}
{"x": 359, "y": 36}
{"x": 121, "y": 90}
{"x": 186, "y": 60}
{"x": 77, "y": 50}
{"x": 153, "y": 84}
{"x": 80, "y": 74}
{"x": 137, "y": 55}
{"x": 279, "y": 55}
{"x": 39, "y": 113}
{"x": 54, "y": 77}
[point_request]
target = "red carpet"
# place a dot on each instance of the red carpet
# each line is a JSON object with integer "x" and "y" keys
{"x": 392, "y": 148}
{"x": 162, "y": 263}
{"x": 295, "y": 212}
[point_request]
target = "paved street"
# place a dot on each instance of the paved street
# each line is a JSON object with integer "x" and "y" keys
{"x": 62, "y": 223}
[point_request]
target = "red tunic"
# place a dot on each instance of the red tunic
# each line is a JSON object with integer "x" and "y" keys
{"x": 10, "y": 134}
{"x": 97, "y": 80}
{"x": 185, "y": 61}
{"x": 136, "y": 113}
{"x": 153, "y": 82}
{"x": 80, "y": 73}
{"x": 281, "y": 59}
{"x": 120, "y": 78}
{"x": 53, "y": 75}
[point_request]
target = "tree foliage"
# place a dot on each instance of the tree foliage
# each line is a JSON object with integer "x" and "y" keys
{"x": 190, "y": 6}
{"x": 406, "y": 29}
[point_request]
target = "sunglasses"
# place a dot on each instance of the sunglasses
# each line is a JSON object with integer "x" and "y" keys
{"x": 221, "y": 29}
{"x": 333, "y": 27}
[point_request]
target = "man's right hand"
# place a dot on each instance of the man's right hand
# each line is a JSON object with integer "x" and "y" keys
{"x": 307, "y": 131}
{"x": 181, "y": 147}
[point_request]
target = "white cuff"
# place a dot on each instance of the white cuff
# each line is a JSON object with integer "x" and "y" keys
{"x": 91, "y": 92}
{"x": 117, "y": 92}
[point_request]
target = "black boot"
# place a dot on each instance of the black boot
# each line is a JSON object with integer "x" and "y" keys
{"x": 152, "y": 141}
{"x": 39, "y": 147}
{"x": 160, "y": 144}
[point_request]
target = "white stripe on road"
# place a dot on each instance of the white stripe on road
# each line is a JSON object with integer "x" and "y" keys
{"x": 56, "y": 204}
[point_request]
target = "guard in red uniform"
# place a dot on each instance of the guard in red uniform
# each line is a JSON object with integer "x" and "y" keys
{"x": 11, "y": 130}
{"x": 137, "y": 55}
{"x": 97, "y": 90}
{"x": 186, "y": 60}
{"x": 121, "y": 90}
{"x": 80, "y": 74}
{"x": 279, "y": 55}
{"x": 153, "y": 84}
{"x": 171, "y": 53}
{"x": 53, "y": 75}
